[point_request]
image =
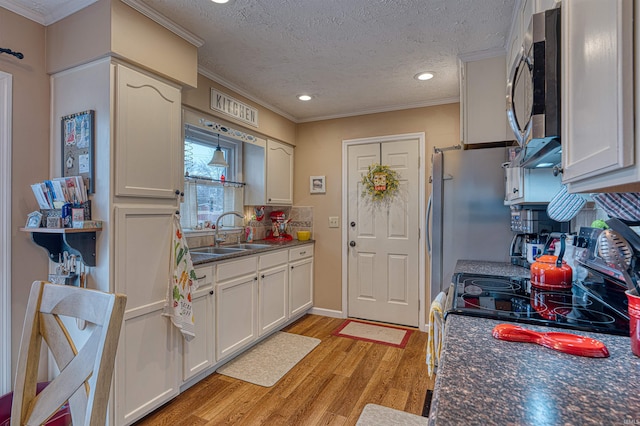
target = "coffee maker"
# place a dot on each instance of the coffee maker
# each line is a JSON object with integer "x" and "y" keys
{"x": 525, "y": 248}
{"x": 533, "y": 227}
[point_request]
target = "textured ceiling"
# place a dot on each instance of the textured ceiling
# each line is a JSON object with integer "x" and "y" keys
{"x": 353, "y": 56}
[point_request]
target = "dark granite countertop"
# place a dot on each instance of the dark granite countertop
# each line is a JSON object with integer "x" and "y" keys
{"x": 199, "y": 259}
{"x": 485, "y": 381}
{"x": 491, "y": 268}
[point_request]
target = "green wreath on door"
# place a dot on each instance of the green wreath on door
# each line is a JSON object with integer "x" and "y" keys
{"x": 380, "y": 183}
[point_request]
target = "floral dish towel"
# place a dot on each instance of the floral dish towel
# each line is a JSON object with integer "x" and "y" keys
{"x": 182, "y": 284}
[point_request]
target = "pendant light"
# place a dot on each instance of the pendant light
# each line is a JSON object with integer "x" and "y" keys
{"x": 218, "y": 157}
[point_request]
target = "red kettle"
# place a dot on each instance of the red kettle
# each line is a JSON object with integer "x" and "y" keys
{"x": 551, "y": 272}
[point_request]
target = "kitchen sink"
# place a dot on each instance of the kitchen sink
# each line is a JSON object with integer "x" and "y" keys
{"x": 248, "y": 246}
{"x": 203, "y": 257}
{"x": 218, "y": 250}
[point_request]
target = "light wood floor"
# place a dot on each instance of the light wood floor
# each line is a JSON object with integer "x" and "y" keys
{"x": 330, "y": 386}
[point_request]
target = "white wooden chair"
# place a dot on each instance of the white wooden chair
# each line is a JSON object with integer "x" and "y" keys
{"x": 85, "y": 374}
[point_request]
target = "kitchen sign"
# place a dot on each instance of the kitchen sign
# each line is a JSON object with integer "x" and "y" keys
{"x": 234, "y": 108}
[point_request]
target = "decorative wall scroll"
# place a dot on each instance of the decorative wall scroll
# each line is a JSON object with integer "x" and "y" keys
{"x": 78, "y": 146}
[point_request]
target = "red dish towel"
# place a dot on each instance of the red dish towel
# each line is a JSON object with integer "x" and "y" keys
{"x": 621, "y": 205}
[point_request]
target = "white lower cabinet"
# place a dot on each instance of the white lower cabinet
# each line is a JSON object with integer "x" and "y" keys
{"x": 148, "y": 373}
{"x": 300, "y": 279}
{"x": 238, "y": 301}
{"x": 147, "y": 367}
{"x": 198, "y": 354}
{"x": 236, "y": 305}
{"x": 273, "y": 283}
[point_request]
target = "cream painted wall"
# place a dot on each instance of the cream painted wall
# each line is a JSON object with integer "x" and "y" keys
{"x": 155, "y": 48}
{"x": 79, "y": 38}
{"x": 30, "y": 156}
{"x": 271, "y": 124}
{"x": 110, "y": 27}
{"x": 319, "y": 152}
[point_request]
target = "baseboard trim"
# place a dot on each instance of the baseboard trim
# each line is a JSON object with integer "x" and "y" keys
{"x": 327, "y": 312}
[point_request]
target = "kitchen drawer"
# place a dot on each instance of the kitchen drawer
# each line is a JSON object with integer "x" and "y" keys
{"x": 269, "y": 260}
{"x": 204, "y": 276}
{"x": 300, "y": 252}
{"x": 237, "y": 268}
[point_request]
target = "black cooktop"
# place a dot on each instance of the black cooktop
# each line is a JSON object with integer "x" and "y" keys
{"x": 593, "y": 305}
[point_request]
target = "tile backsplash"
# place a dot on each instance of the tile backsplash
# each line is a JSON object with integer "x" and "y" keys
{"x": 301, "y": 220}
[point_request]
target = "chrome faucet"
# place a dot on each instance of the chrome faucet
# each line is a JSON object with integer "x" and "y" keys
{"x": 216, "y": 239}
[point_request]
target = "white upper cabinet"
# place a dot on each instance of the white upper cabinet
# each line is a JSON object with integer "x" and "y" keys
{"x": 279, "y": 173}
{"x": 148, "y": 136}
{"x": 483, "y": 116}
{"x": 597, "y": 95}
{"x": 530, "y": 186}
{"x": 268, "y": 173}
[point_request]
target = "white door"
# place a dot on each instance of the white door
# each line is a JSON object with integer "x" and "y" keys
{"x": 383, "y": 252}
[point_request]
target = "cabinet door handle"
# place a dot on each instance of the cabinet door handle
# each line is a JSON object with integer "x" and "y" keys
{"x": 177, "y": 191}
{"x": 302, "y": 253}
{"x": 255, "y": 278}
{"x": 262, "y": 276}
{"x": 211, "y": 292}
{"x": 202, "y": 277}
{"x": 515, "y": 190}
{"x": 292, "y": 267}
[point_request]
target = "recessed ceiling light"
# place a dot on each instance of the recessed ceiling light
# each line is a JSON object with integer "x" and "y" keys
{"x": 305, "y": 97}
{"x": 220, "y": 1}
{"x": 423, "y": 76}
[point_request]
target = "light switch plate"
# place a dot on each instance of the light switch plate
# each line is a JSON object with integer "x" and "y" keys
{"x": 334, "y": 222}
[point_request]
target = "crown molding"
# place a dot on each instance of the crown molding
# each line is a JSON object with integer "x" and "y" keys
{"x": 482, "y": 54}
{"x": 165, "y": 22}
{"x": 437, "y": 102}
{"x": 210, "y": 75}
{"x": 46, "y": 17}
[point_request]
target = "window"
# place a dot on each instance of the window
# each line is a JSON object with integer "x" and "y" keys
{"x": 206, "y": 195}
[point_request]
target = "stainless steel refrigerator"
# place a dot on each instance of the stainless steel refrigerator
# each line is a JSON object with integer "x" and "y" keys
{"x": 466, "y": 218}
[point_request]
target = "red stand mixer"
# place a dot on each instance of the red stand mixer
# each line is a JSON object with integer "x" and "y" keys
{"x": 279, "y": 227}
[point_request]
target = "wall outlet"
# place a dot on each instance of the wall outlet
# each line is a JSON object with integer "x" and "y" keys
{"x": 334, "y": 222}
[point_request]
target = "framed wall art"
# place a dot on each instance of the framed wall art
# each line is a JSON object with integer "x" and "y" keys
{"x": 317, "y": 184}
{"x": 34, "y": 219}
{"x": 78, "y": 147}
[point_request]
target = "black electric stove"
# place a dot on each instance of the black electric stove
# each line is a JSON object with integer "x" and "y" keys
{"x": 593, "y": 305}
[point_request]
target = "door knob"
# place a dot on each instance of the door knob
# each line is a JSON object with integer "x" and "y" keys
{"x": 352, "y": 243}
{"x": 353, "y": 224}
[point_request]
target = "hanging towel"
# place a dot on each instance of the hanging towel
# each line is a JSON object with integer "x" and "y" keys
{"x": 182, "y": 283}
{"x": 565, "y": 206}
{"x": 436, "y": 330}
{"x": 621, "y": 205}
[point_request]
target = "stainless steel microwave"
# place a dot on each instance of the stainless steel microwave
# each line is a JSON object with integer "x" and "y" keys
{"x": 533, "y": 90}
